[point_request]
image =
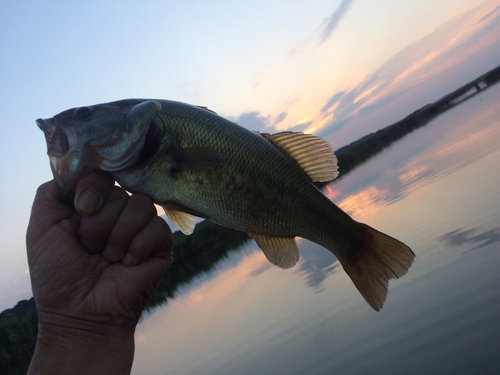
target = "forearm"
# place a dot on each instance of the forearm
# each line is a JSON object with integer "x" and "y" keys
{"x": 75, "y": 346}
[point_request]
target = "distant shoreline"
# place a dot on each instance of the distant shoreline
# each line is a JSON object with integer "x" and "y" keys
{"x": 210, "y": 242}
{"x": 356, "y": 153}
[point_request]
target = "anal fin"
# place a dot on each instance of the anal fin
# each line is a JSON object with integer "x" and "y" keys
{"x": 185, "y": 222}
{"x": 280, "y": 251}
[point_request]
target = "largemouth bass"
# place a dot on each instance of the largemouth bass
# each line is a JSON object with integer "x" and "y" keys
{"x": 195, "y": 163}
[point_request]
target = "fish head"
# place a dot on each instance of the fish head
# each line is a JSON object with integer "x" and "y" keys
{"x": 107, "y": 137}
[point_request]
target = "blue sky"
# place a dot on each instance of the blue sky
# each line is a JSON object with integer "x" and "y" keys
{"x": 339, "y": 69}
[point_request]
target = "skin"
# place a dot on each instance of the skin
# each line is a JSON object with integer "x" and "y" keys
{"x": 93, "y": 268}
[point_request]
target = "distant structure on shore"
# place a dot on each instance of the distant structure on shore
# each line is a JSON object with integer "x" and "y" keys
{"x": 465, "y": 92}
{"x": 356, "y": 153}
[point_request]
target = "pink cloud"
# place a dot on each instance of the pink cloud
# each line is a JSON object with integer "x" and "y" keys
{"x": 428, "y": 68}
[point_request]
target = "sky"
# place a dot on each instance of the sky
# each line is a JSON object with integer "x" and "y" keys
{"x": 337, "y": 69}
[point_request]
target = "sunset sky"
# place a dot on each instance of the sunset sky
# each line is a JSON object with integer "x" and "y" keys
{"x": 338, "y": 69}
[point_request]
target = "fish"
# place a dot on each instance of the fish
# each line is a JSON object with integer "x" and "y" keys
{"x": 195, "y": 163}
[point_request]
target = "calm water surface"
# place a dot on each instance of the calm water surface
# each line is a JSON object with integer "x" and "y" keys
{"x": 437, "y": 190}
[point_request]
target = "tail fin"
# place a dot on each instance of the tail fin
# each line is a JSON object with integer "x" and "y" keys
{"x": 370, "y": 269}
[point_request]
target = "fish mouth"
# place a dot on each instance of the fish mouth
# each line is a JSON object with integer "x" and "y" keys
{"x": 67, "y": 162}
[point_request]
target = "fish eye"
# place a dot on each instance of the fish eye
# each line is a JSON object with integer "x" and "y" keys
{"x": 82, "y": 112}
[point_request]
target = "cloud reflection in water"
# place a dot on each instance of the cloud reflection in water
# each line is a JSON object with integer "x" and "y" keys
{"x": 417, "y": 161}
{"x": 462, "y": 236}
{"x": 410, "y": 165}
{"x": 315, "y": 265}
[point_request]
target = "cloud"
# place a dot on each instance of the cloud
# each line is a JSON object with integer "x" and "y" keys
{"x": 252, "y": 121}
{"x": 265, "y": 124}
{"x": 332, "y": 22}
{"x": 489, "y": 14}
{"x": 259, "y": 77}
{"x": 333, "y": 100}
{"x": 300, "y": 127}
{"x": 424, "y": 61}
{"x": 335, "y": 125}
{"x": 315, "y": 266}
{"x": 325, "y": 30}
{"x": 279, "y": 118}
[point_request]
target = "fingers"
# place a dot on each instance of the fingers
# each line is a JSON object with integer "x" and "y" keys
{"x": 96, "y": 229}
{"x": 155, "y": 239}
{"x": 91, "y": 192}
{"x": 124, "y": 228}
{"x": 149, "y": 273}
{"x": 134, "y": 217}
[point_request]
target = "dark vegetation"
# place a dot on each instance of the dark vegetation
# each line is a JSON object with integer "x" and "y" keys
{"x": 18, "y": 331}
{"x": 199, "y": 252}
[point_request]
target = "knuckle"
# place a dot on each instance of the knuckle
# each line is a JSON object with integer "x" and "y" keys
{"x": 117, "y": 194}
{"x": 142, "y": 204}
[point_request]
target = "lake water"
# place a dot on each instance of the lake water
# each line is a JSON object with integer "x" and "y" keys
{"x": 437, "y": 190}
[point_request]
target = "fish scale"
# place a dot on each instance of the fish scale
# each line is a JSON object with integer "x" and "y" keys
{"x": 256, "y": 178}
{"x": 195, "y": 163}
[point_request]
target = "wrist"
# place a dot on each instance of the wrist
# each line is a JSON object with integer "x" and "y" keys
{"x": 68, "y": 345}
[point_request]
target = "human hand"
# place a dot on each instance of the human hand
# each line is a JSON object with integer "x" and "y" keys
{"x": 94, "y": 267}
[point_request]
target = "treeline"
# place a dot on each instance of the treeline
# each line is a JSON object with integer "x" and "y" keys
{"x": 353, "y": 155}
{"x": 18, "y": 332}
{"x": 210, "y": 242}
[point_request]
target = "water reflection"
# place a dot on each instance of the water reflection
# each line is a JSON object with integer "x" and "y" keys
{"x": 316, "y": 264}
{"x": 416, "y": 162}
{"x": 462, "y": 236}
{"x": 197, "y": 257}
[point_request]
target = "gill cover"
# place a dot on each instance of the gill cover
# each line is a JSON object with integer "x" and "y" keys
{"x": 126, "y": 150}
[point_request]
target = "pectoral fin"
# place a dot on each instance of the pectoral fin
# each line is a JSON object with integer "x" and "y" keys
{"x": 185, "y": 222}
{"x": 198, "y": 159}
{"x": 313, "y": 154}
{"x": 280, "y": 251}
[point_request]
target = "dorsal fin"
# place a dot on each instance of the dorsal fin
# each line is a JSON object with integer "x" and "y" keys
{"x": 280, "y": 251}
{"x": 185, "y": 222}
{"x": 313, "y": 154}
{"x": 206, "y": 108}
